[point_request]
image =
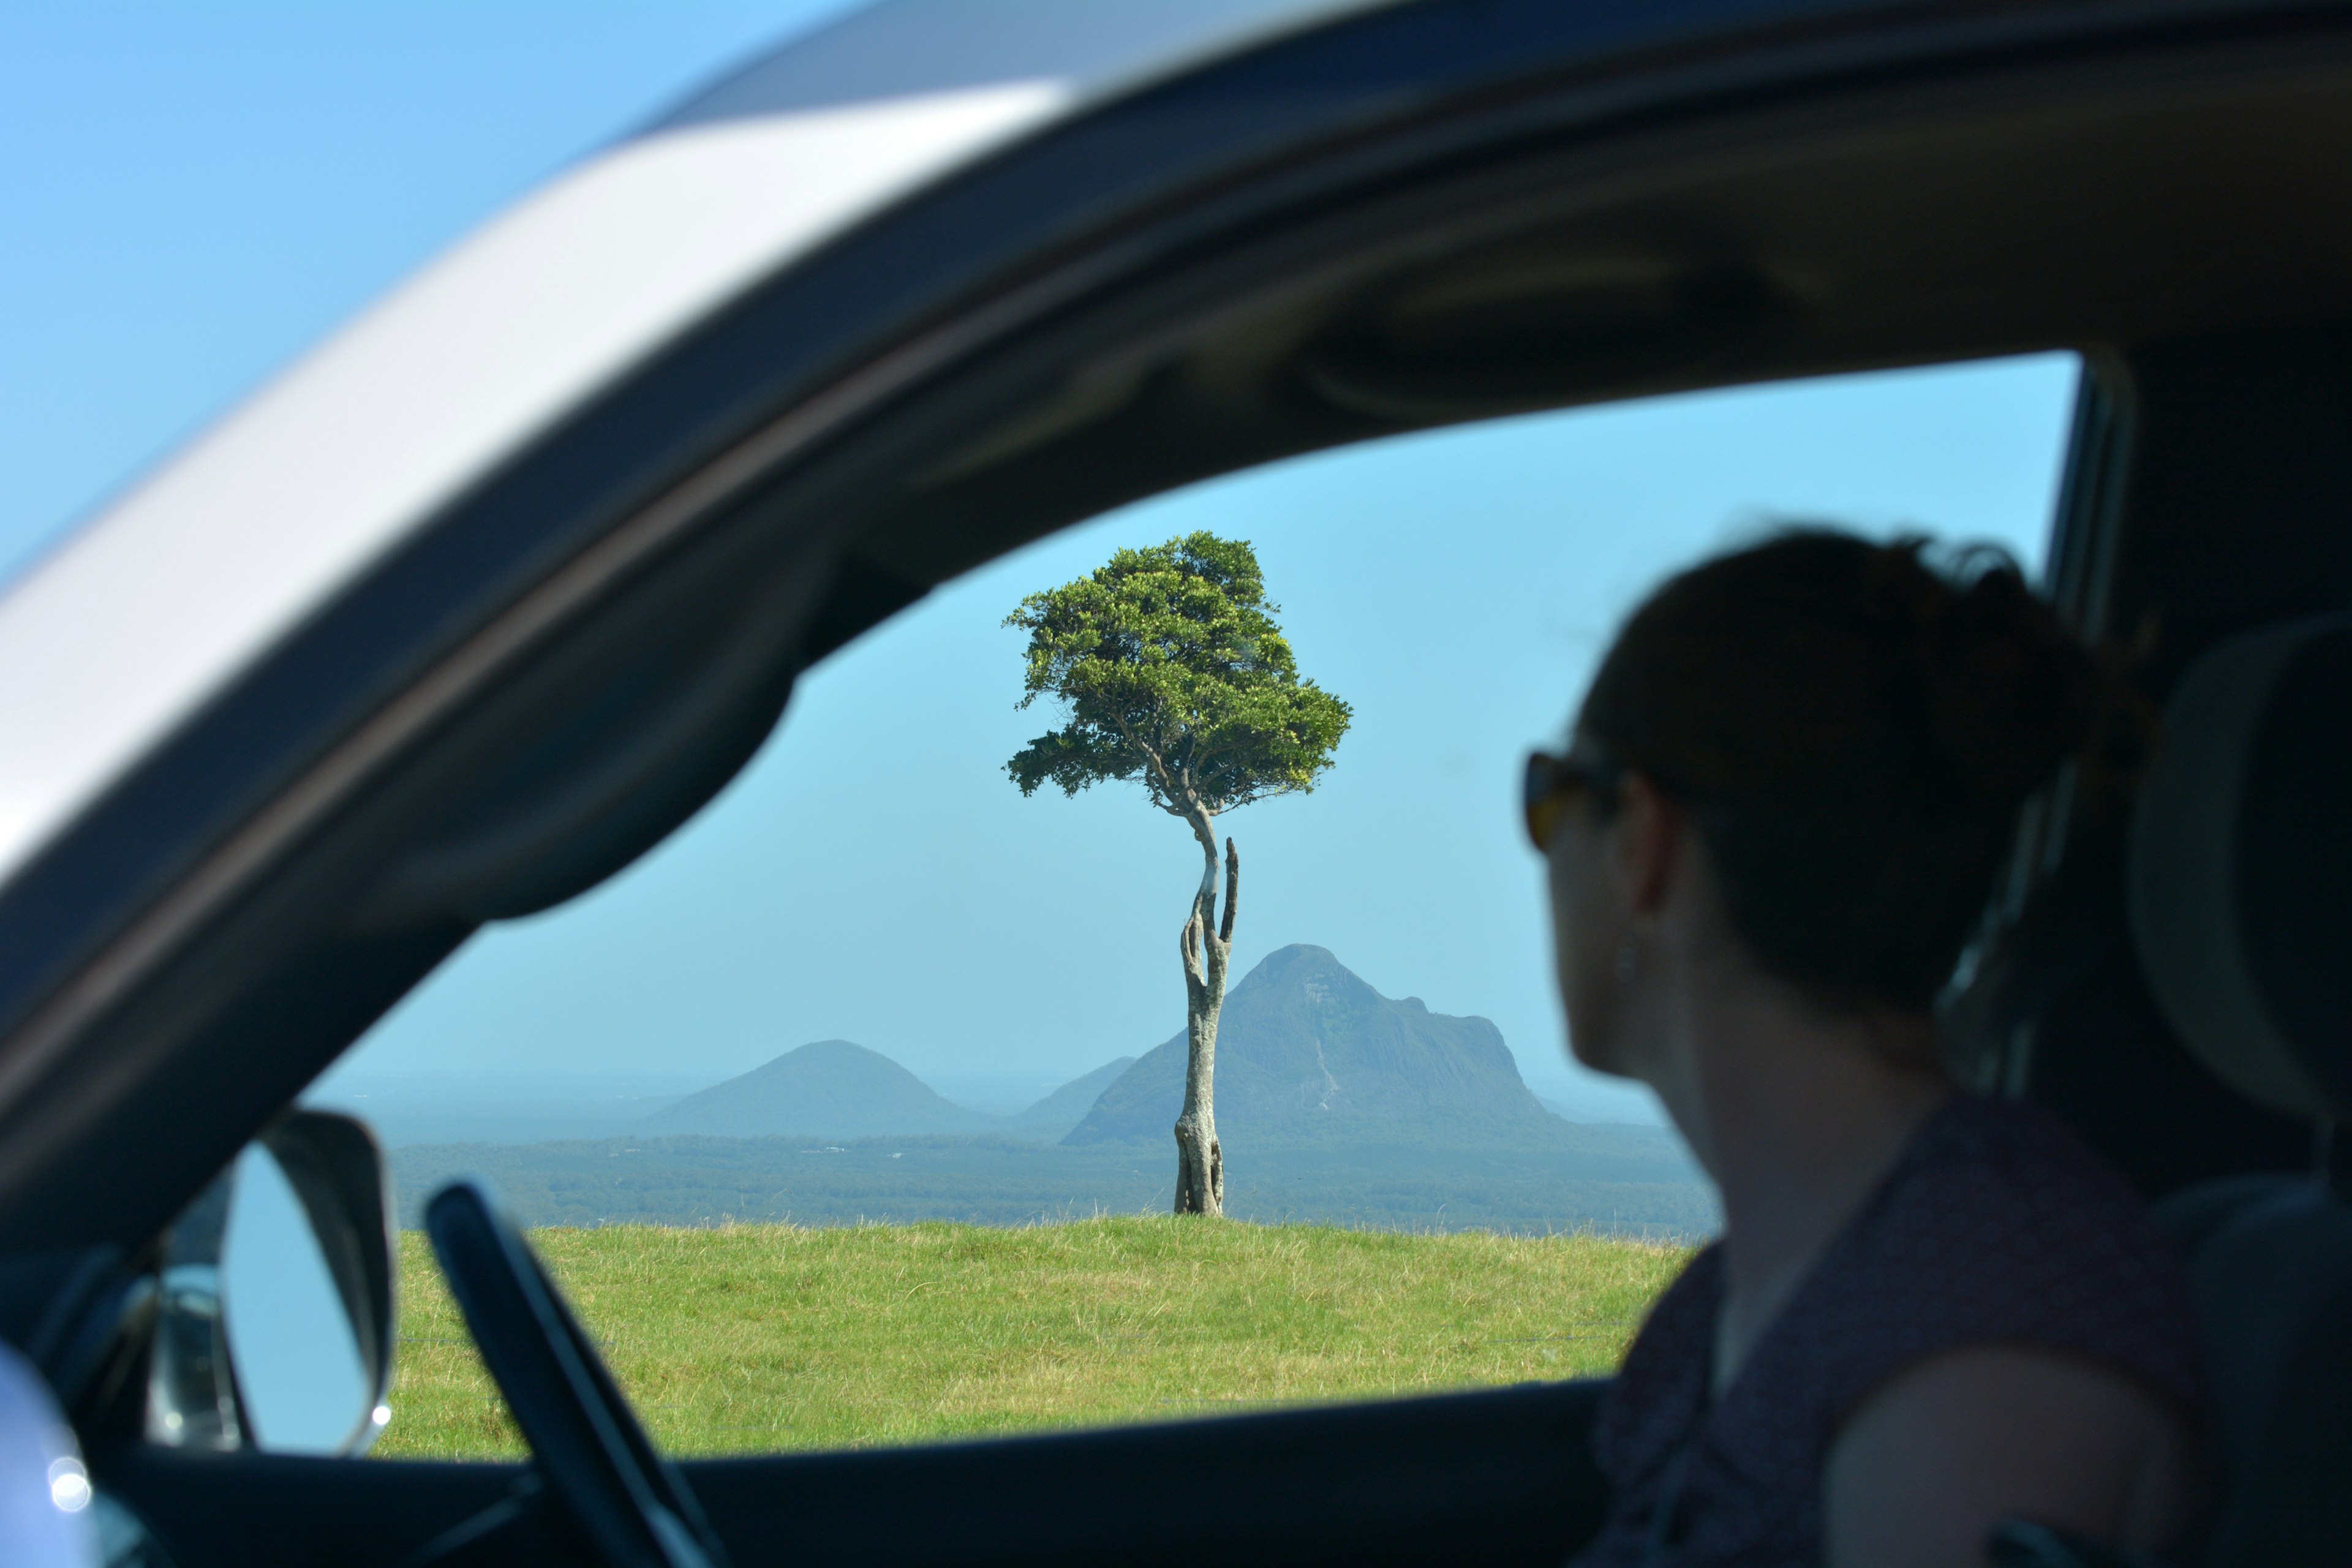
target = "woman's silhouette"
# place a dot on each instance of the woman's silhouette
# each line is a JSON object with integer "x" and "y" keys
{"x": 1786, "y": 797}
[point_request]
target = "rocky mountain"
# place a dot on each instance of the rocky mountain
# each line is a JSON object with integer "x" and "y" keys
{"x": 831, "y": 1089}
{"x": 1052, "y": 1117}
{"x": 1307, "y": 1050}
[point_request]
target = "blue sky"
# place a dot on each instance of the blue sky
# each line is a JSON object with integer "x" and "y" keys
{"x": 196, "y": 192}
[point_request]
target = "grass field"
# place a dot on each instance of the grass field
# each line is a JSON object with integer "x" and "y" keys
{"x": 768, "y": 1337}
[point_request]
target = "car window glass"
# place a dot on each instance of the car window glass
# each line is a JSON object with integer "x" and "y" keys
{"x": 828, "y": 1107}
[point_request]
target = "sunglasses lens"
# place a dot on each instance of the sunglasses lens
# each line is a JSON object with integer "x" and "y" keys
{"x": 1541, "y": 797}
{"x": 1543, "y": 768}
{"x": 1551, "y": 782}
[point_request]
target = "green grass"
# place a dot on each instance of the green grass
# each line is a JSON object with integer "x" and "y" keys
{"x": 771, "y": 1337}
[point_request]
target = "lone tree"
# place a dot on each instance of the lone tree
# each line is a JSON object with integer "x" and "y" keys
{"x": 1176, "y": 677}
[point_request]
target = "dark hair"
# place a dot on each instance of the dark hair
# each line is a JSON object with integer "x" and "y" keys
{"x": 1854, "y": 731}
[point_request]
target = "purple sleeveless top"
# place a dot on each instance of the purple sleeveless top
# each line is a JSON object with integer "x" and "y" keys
{"x": 1994, "y": 1226}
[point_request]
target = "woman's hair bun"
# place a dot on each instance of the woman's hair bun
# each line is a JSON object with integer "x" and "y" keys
{"x": 1854, "y": 725}
{"x": 2009, "y": 691}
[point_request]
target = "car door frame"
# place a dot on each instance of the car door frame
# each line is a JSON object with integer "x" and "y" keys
{"x": 152, "y": 943}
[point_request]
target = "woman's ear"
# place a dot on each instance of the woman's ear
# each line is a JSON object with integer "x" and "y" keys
{"x": 1650, "y": 829}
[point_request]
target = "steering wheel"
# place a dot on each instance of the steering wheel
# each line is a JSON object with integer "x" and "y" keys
{"x": 633, "y": 1504}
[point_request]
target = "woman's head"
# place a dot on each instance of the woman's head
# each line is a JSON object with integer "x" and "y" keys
{"x": 1848, "y": 731}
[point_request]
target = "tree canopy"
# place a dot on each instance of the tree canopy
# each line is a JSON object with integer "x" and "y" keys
{"x": 1176, "y": 677}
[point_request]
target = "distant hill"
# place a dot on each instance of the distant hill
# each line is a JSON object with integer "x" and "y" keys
{"x": 1306, "y": 1050}
{"x": 1052, "y": 1117}
{"x": 832, "y": 1089}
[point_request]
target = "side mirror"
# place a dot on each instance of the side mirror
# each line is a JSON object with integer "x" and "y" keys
{"x": 274, "y": 1323}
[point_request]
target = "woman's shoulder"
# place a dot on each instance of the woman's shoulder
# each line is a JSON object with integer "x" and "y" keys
{"x": 1661, "y": 1388}
{"x": 2001, "y": 1226}
{"x": 1994, "y": 1187}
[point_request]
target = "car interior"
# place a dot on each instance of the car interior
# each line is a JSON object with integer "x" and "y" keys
{"x": 540, "y": 687}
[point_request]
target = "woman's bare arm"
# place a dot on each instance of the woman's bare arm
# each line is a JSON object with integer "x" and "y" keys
{"x": 1946, "y": 1449}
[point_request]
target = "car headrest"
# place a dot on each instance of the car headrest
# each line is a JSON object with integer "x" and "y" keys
{"x": 2241, "y": 880}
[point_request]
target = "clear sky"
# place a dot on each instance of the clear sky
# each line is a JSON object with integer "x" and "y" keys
{"x": 195, "y": 193}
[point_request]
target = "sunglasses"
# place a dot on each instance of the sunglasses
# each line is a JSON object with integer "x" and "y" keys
{"x": 1552, "y": 780}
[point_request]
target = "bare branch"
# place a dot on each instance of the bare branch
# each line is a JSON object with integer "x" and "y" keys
{"x": 1205, "y": 829}
{"x": 1197, "y": 923}
{"x": 1197, "y": 816}
{"x": 1232, "y": 890}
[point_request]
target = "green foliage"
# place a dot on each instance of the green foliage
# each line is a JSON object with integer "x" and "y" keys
{"x": 766, "y": 1337}
{"x": 1175, "y": 675}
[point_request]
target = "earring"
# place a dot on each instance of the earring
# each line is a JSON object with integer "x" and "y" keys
{"x": 1627, "y": 964}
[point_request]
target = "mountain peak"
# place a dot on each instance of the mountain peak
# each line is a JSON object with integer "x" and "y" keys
{"x": 832, "y": 1088}
{"x": 1305, "y": 1047}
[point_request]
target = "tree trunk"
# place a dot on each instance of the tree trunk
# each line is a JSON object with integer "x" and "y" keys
{"x": 1207, "y": 944}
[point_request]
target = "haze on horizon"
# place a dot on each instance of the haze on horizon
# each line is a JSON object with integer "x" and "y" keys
{"x": 873, "y": 876}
